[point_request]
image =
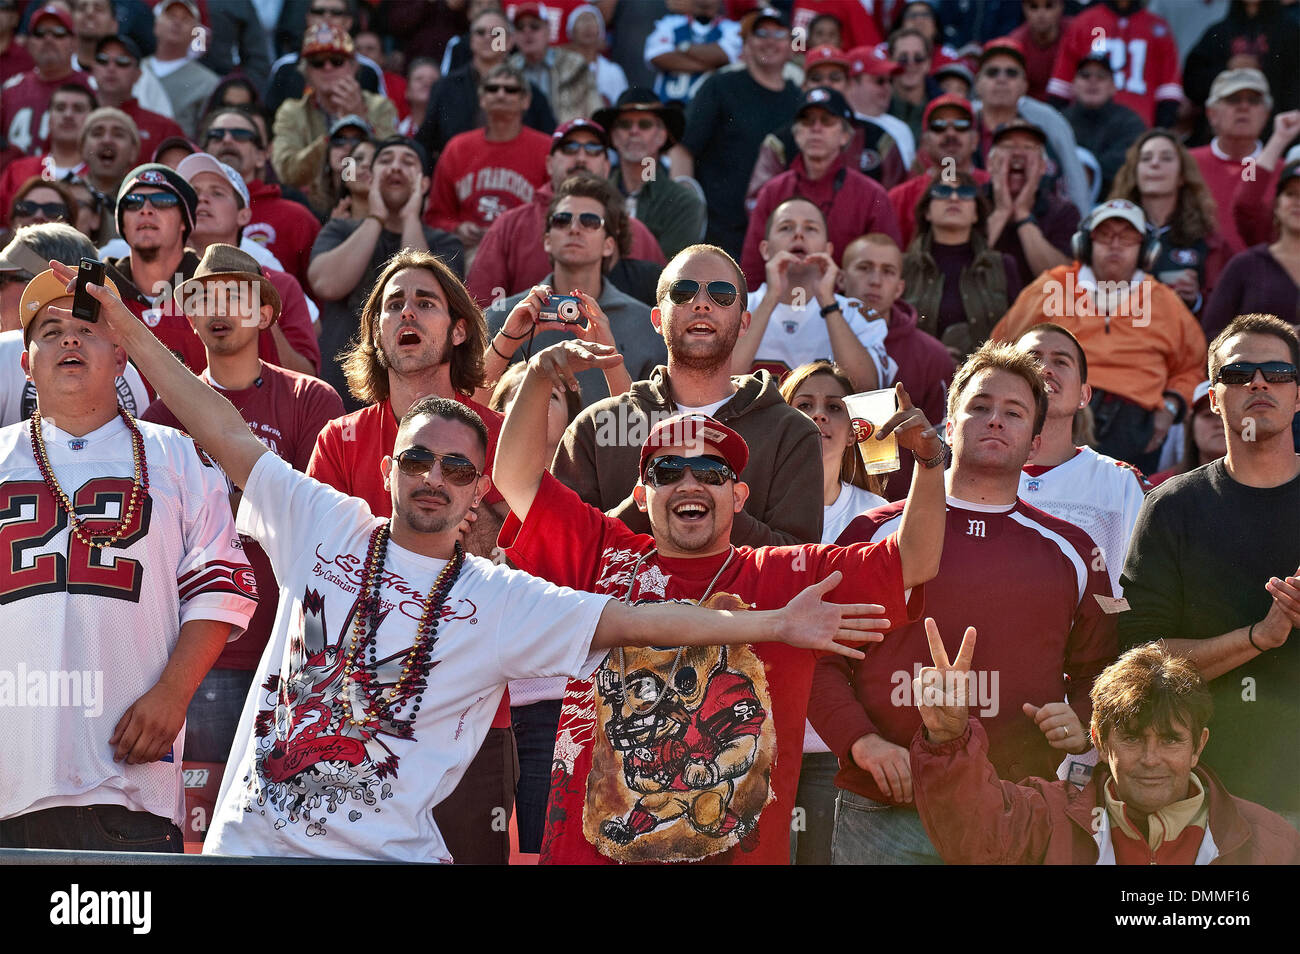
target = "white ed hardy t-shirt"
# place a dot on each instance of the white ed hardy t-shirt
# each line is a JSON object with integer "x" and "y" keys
{"x": 302, "y": 781}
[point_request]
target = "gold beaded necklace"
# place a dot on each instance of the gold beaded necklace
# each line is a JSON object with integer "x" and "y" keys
{"x": 357, "y": 674}
{"x": 139, "y": 481}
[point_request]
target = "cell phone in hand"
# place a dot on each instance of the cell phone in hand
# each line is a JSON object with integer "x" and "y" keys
{"x": 84, "y": 305}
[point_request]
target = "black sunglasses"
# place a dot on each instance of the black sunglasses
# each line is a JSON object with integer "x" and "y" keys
{"x": 320, "y": 62}
{"x": 1010, "y": 72}
{"x": 939, "y": 125}
{"x": 135, "y": 201}
{"x": 1243, "y": 372}
{"x": 339, "y": 139}
{"x": 684, "y": 290}
{"x": 502, "y": 88}
{"x": 903, "y": 59}
{"x": 51, "y": 210}
{"x": 217, "y": 133}
{"x": 588, "y": 220}
{"x": 58, "y": 32}
{"x": 456, "y": 470}
{"x": 941, "y": 191}
{"x": 122, "y": 60}
{"x": 328, "y": 11}
{"x": 572, "y": 148}
{"x": 669, "y": 469}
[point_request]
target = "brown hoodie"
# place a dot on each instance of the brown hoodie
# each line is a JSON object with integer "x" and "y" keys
{"x": 600, "y": 454}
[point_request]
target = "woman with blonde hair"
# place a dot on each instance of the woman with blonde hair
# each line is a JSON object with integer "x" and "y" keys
{"x": 1160, "y": 176}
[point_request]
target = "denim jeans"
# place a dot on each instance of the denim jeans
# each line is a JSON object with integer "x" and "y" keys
{"x": 91, "y": 828}
{"x": 816, "y": 796}
{"x": 213, "y": 715}
{"x": 878, "y": 833}
{"x": 534, "y": 726}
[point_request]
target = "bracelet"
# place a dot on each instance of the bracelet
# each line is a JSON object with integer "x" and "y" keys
{"x": 833, "y": 306}
{"x": 505, "y": 334}
{"x": 1251, "y": 636}
{"x": 1027, "y": 220}
{"x": 931, "y": 462}
{"x": 493, "y": 345}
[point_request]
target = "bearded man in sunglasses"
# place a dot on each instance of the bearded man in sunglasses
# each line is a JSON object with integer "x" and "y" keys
{"x": 391, "y": 647}
{"x": 690, "y": 755}
{"x": 701, "y": 314}
{"x": 1214, "y": 566}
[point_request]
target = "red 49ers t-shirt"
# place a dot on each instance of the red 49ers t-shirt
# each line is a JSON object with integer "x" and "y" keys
{"x": 349, "y": 449}
{"x": 690, "y": 756}
{"x": 476, "y": 180}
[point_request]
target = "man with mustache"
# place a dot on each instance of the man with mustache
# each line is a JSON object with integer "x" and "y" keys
{"x": 949, "y": 141}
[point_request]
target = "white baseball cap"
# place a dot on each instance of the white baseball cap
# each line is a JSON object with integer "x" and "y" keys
{"x": 199, "y": 162}
{"x": 1118, "y": 209}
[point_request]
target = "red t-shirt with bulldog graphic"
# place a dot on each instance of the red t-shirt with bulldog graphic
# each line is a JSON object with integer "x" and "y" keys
{"x": 693, "y": 755}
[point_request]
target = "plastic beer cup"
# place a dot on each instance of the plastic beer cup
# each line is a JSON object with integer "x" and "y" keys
{"x": 868, "y": 413}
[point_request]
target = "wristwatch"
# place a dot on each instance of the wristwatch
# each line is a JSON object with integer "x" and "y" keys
{"x": 1174, "y": 407}
{"x": 1027, "y": 220}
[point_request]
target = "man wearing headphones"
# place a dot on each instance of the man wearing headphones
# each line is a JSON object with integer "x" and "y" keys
{"x": 1145, "y": 350}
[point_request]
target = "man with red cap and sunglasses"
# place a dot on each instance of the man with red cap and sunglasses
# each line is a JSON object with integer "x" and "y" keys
{"x": 26, "y": 97}
{"x": 1213, "y": 568}
{"x": 688, "y": 755}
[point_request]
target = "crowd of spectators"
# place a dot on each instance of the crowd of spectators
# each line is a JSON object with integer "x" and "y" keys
{"x": 1059, "y": 226}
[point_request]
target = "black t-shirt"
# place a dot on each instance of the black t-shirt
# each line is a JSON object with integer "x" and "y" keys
{"x": 726, "y": 122}
{"x": 1202, "y": 550}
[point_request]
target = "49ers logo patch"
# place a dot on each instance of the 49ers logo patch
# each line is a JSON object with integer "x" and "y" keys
{"x": 246, "y": 581}
{"x": 862, "y": 429}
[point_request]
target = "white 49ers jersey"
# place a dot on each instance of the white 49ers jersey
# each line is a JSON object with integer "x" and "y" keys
{"x": 1096, "y": 493}
{"x": 88, "y": 631}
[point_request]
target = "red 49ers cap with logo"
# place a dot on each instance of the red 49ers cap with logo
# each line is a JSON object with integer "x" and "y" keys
{"x": 684, "y": 430}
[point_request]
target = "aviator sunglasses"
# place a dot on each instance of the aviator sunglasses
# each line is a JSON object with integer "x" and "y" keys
{"x": 669, "y": 469}
{"x": 684, "y": 290}
{"x": 456, "y": 470}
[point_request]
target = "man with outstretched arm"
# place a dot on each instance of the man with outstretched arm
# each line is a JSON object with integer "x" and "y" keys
{"x": 391, "y": 647}
{"x": 689, "y": 755}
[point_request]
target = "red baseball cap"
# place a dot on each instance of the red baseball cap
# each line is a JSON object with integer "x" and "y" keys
{"x": 1005, "y": 45}
{"x": 51, "y": 10}
{"x": 873, "y": 61}
{"x": 523, "y": 10}
{"x": 684, "y": 430}
{"x": 573, "y": 125}
{"x": 825, "y": 54}
{"x": 947, "y": 99}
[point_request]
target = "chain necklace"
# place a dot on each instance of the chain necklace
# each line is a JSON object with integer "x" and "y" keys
{"x": 416, "y": 663}
{"x": 677, "y": 658}
{"x": 139, "y": 481}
